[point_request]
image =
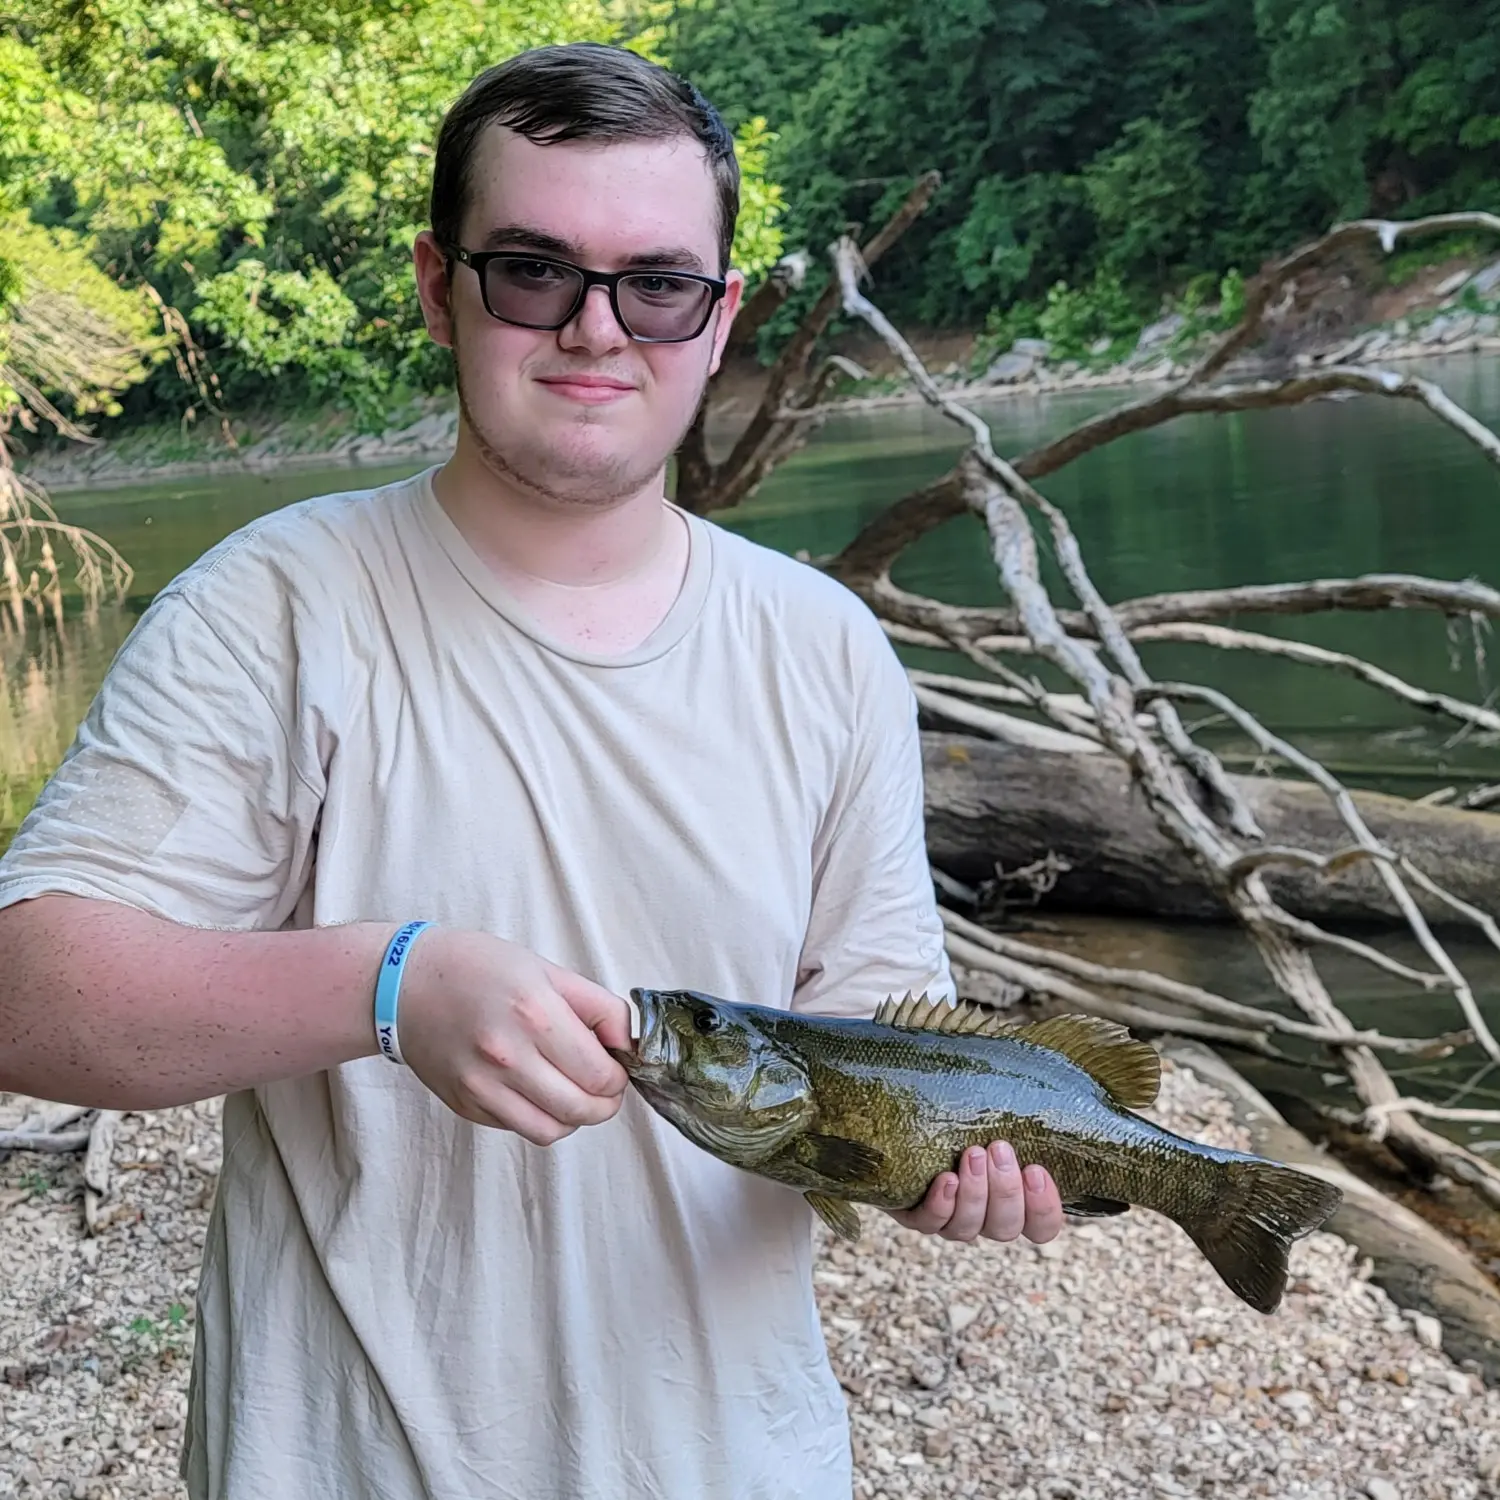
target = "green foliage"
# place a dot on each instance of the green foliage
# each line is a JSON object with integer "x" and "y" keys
{"x": 67, "y": 330}
{"x": 1159, "y": 142}
{"x": 265, "y": 169}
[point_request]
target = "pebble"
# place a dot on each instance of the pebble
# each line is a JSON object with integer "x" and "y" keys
{"x": 1114, "y": 1367}
{"x": 1427, "y": 1329}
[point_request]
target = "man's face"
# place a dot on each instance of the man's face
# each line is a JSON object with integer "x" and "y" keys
{"x": 584, "y": 415}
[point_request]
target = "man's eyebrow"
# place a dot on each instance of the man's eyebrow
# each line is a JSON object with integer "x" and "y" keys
{"x": 524, "y": 237}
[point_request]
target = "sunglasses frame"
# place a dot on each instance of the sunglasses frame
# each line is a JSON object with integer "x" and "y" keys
{"x": 478, "y": 260}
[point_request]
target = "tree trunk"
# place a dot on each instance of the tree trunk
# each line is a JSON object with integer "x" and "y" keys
{"x": 992, "y": 803}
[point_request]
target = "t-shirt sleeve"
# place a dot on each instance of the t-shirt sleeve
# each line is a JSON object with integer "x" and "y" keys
{"x": 874, "y": 929}
{"x": 183, "y": 793}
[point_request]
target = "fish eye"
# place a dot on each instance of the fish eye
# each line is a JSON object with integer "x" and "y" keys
{"x": 706, "y": 1022}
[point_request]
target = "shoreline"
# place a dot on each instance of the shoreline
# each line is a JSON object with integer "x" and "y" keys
{"x": 1107, "y": 1365}
{"x": 290, "y": 444}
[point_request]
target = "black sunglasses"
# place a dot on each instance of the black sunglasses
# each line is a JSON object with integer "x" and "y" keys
{"x": 533, "y": 291}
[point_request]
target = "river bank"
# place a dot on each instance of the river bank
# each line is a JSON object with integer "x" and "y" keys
{"x": 1111, "y": 1363}
{"x": 1449, "y": 309}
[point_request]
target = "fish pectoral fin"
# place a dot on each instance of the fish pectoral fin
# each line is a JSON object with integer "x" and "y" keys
{"x": 839, "y": 1215}
{"x": 838, "y": 1158}
{"x": 1129, "y": 1071}
{"x": 1094, "y": 1208}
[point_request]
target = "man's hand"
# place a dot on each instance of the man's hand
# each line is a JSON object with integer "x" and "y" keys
{"x": 506, "y": 1039}
{"x": 989, "y": 1197}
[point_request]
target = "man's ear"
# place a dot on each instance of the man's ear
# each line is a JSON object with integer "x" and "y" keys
{"x": 434, "y": 287}
{"x": 729, "y": 306}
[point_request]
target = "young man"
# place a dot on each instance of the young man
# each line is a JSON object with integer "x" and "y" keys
{"x": 598, "y": 743}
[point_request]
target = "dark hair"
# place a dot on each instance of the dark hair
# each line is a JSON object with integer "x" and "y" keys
{"x": 579, "y": 91}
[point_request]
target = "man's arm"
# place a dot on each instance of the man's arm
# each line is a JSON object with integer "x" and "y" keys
{"x": 145, "y": 951}
{"x": 111, "y": 1007}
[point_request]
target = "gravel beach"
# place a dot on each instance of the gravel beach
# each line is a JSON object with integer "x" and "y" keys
{"x": 1111, "y": 1363}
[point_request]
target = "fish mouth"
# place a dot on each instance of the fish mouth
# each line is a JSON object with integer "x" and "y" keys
{"x": 651, "y": 1039}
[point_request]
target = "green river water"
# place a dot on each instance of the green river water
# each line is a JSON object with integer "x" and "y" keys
{"x": 1331, "y": 489}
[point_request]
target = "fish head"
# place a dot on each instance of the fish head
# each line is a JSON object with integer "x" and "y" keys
{"x": 711, "y": 1069}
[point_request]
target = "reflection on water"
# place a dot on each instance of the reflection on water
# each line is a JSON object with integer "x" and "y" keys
{"x": 48, "y": 675}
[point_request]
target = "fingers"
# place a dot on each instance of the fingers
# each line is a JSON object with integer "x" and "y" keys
{"x": 550, "y": 1020}
{"x": 1005, "y": 1216}
{"x": 989, "y": 1197}
{"x": 931, "y": 1215}
{"x": 606, "y": 1014}
{"x": 972, "y": 1199}
{"x": 509, "y": 1111}
{"x": 1044, "y": 1214}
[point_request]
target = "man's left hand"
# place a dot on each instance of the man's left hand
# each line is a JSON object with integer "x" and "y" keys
{"x": 989, "y": 1197}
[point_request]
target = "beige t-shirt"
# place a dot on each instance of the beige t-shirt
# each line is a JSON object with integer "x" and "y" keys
{"x": 337, "y": 715}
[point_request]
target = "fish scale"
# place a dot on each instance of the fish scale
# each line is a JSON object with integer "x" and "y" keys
{"x": 872, "y": 1111}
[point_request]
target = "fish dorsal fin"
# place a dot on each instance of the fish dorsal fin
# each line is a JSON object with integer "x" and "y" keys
{"x": 1127, "y": 1069}
{"x": 918, "y": 1013}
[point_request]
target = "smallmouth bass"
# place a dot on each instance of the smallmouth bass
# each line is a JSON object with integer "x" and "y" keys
{"x": 871, "y": 1111}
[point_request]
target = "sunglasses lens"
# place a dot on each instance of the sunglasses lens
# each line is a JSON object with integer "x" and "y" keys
{"x": 657, "y": 306}
{"x": 532, "y": 292}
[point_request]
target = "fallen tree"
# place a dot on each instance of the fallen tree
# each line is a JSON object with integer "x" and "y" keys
{"x": 993, "y": 802}
{"x": 1229, "y": 842}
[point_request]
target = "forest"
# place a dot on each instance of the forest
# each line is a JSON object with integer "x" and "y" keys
{"x": 208, "y": 206}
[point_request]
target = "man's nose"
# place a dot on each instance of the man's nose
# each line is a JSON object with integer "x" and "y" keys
{"x": 594, "y": 325}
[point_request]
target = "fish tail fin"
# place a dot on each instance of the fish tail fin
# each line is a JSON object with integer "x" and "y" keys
{"x": 1248, "y": 1230}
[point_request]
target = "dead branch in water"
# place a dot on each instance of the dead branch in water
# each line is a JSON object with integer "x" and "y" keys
{"x": 30, "y": 573}
{"x": 1185, "y": 785}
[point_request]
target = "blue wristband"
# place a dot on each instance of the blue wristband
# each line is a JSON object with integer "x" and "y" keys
{"x": 388, "y": 989}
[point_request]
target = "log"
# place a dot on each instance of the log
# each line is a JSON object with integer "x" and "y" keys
{"x": 1419, "y": 1268}
{"x": 990, "y": 803}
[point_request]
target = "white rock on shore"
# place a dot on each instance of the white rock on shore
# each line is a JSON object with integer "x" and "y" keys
{"x": 1111, "y": 1363}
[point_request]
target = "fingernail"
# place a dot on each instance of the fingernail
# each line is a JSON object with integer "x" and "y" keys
{"x": 974, "y": 1160}
{"x": 1005, "y": 1156}
{"x": 1036, "y": 1178}
{"x": 950, "y": 1189}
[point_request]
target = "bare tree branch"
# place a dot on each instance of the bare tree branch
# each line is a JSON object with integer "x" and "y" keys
{"x": 1368, "y": 846}
{"x": 1319, "y": 656}
{"x": 1159, "y": 987}
{"x": 1273, "y": 277}
{"x": 1159, "y": 770}
{"x": 768, "y": 438}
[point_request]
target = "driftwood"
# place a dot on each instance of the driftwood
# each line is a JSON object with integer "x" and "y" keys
{"x": 995, "y": 803}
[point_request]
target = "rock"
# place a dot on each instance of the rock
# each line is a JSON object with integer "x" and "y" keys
{"x": 960, "y": 1315}
{"x": 1163, "y": 331}
{"x": 1009, "y": 368}
{"x": 1100, "y": 345}
{"x": 1427, "y": 1329}
{"x": 1484, "y": 282}
{"x": 1450, "y": 284}
{"x": 938, "y": 1443}
{"x": 1381, "y": 1489}
{"x": 1036, "y": 348}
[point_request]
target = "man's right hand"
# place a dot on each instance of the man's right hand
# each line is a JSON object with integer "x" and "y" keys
{"x": 506, "y": 1039}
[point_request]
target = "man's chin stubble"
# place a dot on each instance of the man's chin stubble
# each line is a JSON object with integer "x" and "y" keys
{"x": 599, "y": 487}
